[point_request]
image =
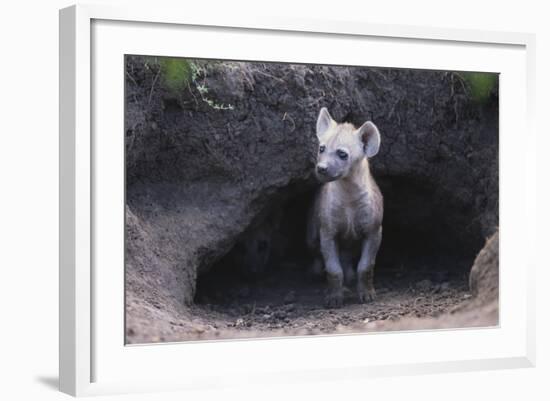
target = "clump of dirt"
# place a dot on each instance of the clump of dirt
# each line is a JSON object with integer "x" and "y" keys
{"x": 484, "y": 276}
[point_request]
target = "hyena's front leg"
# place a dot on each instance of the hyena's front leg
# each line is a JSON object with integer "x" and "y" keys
{"x": 335, "y": 276}
{"x": 365, "y": 268}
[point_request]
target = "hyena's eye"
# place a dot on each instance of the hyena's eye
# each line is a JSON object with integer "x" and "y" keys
{"x": 322, "y": 148}
{"x": 342, "y": 154}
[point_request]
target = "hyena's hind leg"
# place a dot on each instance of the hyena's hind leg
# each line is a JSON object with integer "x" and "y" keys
{"x": 346, "y": 260}
{"x": 317, "y": 268}
{"x": 365, "y": 268}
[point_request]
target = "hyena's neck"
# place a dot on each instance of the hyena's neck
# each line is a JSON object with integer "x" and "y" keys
{"x": 357, "y": 184}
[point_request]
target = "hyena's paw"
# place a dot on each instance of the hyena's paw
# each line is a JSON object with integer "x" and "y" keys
{"x": 334, "y": 299}
{"x": 366, "y": 295}
{"x": 365, "y": 286}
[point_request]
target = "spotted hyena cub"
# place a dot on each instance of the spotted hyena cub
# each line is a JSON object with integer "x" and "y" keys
{"x": 345, "y": 225}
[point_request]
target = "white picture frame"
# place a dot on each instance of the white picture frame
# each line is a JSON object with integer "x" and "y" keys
{"x": 91, "y": 358}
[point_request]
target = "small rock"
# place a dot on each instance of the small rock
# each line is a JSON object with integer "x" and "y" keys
{"x": 199, "y": 329}
{"x": 445, "y": 286}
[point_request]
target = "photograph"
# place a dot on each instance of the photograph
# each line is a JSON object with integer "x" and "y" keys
{"x": 277, "y": 200}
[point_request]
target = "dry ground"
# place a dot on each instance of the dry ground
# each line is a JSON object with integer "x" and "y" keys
{"x": 291, "y": 303}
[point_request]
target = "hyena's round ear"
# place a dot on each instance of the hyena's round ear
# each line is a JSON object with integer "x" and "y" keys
{"x": 370, "y": 137}
{"x": 324, "y": 121}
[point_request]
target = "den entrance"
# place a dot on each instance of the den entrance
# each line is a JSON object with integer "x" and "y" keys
{"x": 265, "y": 282}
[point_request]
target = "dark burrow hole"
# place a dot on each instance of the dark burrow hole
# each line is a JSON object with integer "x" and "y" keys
{"x": 424, "y": 241}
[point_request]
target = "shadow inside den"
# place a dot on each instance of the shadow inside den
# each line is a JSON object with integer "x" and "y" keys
{"x": 422, "y": 251}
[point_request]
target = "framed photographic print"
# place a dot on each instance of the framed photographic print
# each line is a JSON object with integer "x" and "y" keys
{"x": 260, "y": 191}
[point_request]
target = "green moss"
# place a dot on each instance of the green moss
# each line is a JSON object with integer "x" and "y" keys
{"x": 176, "y": 73}
{"x": 480, "y": 84}
{"x": 179, "y": 74}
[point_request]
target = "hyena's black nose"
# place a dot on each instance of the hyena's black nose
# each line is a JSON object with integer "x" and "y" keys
{"x": 322, "y": 170}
